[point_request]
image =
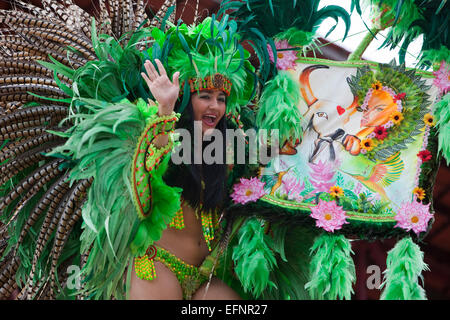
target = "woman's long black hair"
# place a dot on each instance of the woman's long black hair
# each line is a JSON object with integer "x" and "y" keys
{"x": 189, "y": 177}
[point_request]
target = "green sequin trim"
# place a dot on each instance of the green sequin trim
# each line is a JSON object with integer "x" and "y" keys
{"x": 357, "y": 216}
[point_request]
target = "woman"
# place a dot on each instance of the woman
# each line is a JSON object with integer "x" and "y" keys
{"x": 188, "y": 243}
{"x": 102, "y": 195}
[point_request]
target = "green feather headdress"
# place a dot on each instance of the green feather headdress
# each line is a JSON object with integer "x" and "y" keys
{"x": 210, "y": 48}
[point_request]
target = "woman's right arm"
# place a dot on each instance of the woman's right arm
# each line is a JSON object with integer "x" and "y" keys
{"x": 163, "y": 90}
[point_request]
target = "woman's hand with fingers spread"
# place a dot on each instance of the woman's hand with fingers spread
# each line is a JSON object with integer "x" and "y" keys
{"x": 163, "y": 90}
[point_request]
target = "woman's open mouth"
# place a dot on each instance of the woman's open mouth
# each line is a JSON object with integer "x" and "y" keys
{"x": 209, "y": 120}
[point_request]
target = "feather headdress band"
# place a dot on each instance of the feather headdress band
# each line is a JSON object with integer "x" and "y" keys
{"x": 208, "y": 56}
{"x": 216, "y": 81}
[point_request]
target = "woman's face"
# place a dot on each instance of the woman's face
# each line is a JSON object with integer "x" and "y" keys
{"x": 380, "y": 107}
{"x": 209, "y": 107}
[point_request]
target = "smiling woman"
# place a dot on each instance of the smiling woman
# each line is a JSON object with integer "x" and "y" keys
{"x": 96, "y": 189}
{"x": 88, "y": 116}
{"x": 178, "y": 254}
{"x": 177, "y": 264}
{"x": 209, "y": 107}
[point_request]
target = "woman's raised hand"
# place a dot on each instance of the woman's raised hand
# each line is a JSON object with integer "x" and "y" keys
{"x": 163, "y": 90}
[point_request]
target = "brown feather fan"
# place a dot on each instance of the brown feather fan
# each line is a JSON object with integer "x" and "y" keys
{"x": 34, "y": 188}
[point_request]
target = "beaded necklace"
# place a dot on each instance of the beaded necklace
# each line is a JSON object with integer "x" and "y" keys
{"x": 206, "y": 218}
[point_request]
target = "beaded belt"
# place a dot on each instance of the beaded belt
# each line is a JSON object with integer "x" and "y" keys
{"x": 188, "y": 275}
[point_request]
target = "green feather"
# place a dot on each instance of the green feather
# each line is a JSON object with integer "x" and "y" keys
{"x": 253, "y": 257}
{"x": 58, "y": 67}
{"x": 204, "y": 50}
{"x": 272, "y": 17}
{"x": 166, "y": 202}
{"x": 332, "y": 271}
{"x": 116, "y": 73}
{"x": 409, "y": 19}
{"x": 296, "y": 37}
{"x": 281, "y": 279}
{"x": 278, "y": 108}
{"x": 397, "y": 14}
{"x": 103, "y": 142}
{"x": 99, "y": 145}
{"x": 291, "y": 243}
{"x": 442, "y": 115}
{"x": 404, "y": 267}
{"x": 260, "y": 21}
{"x": 435, "y": 56}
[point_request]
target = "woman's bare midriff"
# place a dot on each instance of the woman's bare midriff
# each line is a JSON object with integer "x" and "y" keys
{"x": 188, "y": 244}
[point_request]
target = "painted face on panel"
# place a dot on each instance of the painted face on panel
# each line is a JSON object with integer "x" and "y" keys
{"x": 380, "y": 107}
{"x": 209, "y": 107}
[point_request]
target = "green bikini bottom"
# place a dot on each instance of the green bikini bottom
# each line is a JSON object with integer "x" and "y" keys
{"x": 188, "y": 275}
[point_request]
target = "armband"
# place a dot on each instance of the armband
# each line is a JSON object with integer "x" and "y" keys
{"x": 147, "y": 158}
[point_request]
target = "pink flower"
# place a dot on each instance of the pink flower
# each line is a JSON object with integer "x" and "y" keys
{"x": 247, "y": 190}
{"x": 293, "y": 188}
{"x": 322, "y": 175}
{"x": 414, "y": 215}
{"x": 442, "y": 78}
{"x": 328, "y": 215}
{"x": 380, "y": 132}
{"x": 285, "y": 58}
{"x": 388, "y": 124}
